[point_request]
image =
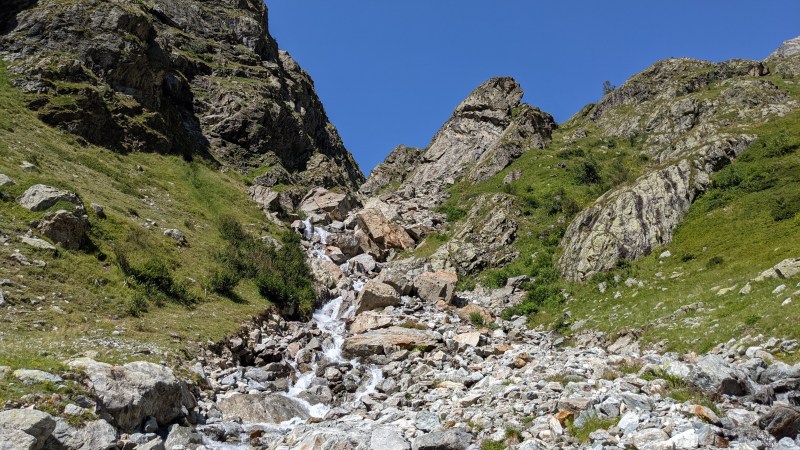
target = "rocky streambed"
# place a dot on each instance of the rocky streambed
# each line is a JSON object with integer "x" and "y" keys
{"x": 396, "y": 360}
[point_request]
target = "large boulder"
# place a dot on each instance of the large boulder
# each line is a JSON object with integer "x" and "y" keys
{"x": 382, "y": 231}
{"x": 785, "y": 269}
{"x": 388, "y": 438}
{"x": 376, "y": 295}
{"x": 95, "y": 435}
{"x": 434, "y": 286}
{"x": 261, "y": 408}
{"x": 137, "y": 390}
{"x": 271, "y": 200}
{"x": 369, "y": 320}
{"x": 452, "y": 439}
{"x": 387, "y": 340}
{"x": 713, "y": 375}
{"x": 66, "y": 228}
{"x": 781, "y": 422}
{"x": 40, "y": 197}
{"x": 25, "y": 429}
{"x": 332, "y": 205}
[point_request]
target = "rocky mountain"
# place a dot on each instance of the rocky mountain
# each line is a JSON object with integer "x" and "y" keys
{"x": 621, "y": 280}
{"x": 191, "y": 78}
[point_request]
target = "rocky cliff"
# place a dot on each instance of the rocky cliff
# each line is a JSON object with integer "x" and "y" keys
{"x": 689, "y": 116}
{"x": 193, "y": 77}
{"x": 486, "y": 132}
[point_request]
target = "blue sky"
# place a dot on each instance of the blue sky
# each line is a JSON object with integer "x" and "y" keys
{"x": 391, "y": 72}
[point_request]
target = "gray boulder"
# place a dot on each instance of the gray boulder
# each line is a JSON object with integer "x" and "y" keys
{"x": 37, "y": 425}
{"x": 40, "y": 197}
{"x": 434, "y": 286}
{"x": 137, "y": 390}
{"x": 388, "y": 438}
{"x": 713, "y": 375}
{"x": 182, "y": 437}
{"x": 261, "y": 408}
{"x": 66, "y": 228}
{"x": 5, "y": 180}
{"x": 331, "y": 205}
{"x": 95, "y": 435}
{"x": 452, "y": 439}
{"x": 781, "y": 422}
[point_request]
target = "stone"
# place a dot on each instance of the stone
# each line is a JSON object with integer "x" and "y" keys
{"x": 713, "y": 375}
{"x": 261, "y": 408}
{"x": 333, "y": 205}
{"x": 37, "y": 424}
{"x": 468, "y": 339}
{"x": 150, "y": 425}
{"x": 37, "y": 243}
{"x": 28, "y": 167}
{"x": 781, "y": 422}
{"x": 95, "y": 435}
{"x": 369, "y": 320}
{"x": 388, "y": 438}
{"x": 451, "y": 439}
{"x": 363, "y": 263}
{"x": 40, "y": 197}
{"x": 647, "y": 438}
{"x": 685, "y": 440}
{"x": 376, "y": 295}
{"x": 65, "y": 228}
{"x": 17, "y": 440}
{"x": 382, "y": 231}
{"x": 5, "y": 180}
{"x": 434, "y": 286}
{"x": 427, "y": 421}
{"x": 36, "y": 376}
{"x": 176, "y": 235}
{"x": 137, "y": 390}
{"x": 182, "y": 437}
{"x": 387, "y": 340}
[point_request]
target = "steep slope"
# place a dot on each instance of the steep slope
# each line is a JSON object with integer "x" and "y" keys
{"x": 190, "y": 78}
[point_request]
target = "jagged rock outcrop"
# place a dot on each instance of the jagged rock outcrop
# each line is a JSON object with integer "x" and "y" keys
{"x": 486, "y": 132}
{"x": 192, "y": 77}
{"x": 678, "y": 109}
{"x": 786, "y": 59}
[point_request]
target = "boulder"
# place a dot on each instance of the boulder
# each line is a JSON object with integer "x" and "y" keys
{"x": 434, "y": 286}
{"x": 387, "y": 340}
{"x": 182, "y": 437}
{"x": 376, "y": 295}
{"x": 40, "y": 197}
{"x": 368, "y": 321}
{"x": 95, "y": 435}
{"x": 36, "y": 376}
{"x": 382, "y": 231}
{"x": 388, "y": 438}
{"x": 363, "y": 263}
{"x": 452, "y": 439}
{"x": 271, "y": 200}
{"x": 648, "y": 438}
{"x": 36, "y": 424}
{"x": 781, "y": 422}
{"x": 713, "y": 375}
{"x": 65, "y": 228}
{"x": 137, "y": 390}
{"x": 5, "y": 180}
{"x": 347, "y": 242}
{"x": 176, "y": 235}
{"x": 261, "y": 408}
{"x": 468, "y": 339}
{"x": 333, "y": 205}
{"x": 787, "y": 268}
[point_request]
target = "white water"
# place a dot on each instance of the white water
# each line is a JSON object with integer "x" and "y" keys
{"x": 330, "y": 320}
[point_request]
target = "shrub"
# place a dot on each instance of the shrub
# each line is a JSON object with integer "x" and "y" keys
{"x": 223, "y": 281}
{"x": 586, "y": 172}
{"x": 785, "y": 208}
{"x": 136, "y": 305}
{"x": 453, "y": 213}
{"x": 489, "y": 444}
{"x": 715, "y": 261}
{"x": 476, "y": 319}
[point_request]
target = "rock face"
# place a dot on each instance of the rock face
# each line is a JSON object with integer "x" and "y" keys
{"x": 137, "y": 390}
{"x": 681, "y": 128}
{"x": 195, "y": 77}
{"x": 393, "y": 171}
{"x": 487, "y": 132}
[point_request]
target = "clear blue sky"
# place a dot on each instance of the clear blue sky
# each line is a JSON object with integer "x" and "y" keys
{"x": 391, "y": 72}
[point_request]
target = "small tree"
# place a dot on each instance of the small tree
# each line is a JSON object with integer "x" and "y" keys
{"x": 608, "y": 88}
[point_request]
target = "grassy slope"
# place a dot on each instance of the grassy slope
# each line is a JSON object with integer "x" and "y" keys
{"x": 732, "y": 222}
{"x": 77, "y": 301}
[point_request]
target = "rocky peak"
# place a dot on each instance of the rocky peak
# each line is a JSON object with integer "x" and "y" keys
{"x": 487, "y": 131}
{"x": 786, "y": 59}
{"x": 193, "y": 77}
{"x": 787, "y": 49}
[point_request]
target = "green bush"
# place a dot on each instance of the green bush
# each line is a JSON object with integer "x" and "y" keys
{"x": 223, "y": 281}
{"x": 477, "y": 319}
{"x": 453, "y": 213}
{"x": 586, "y": 172}
{"x": 785, "y": 208}
{"x": 155, "y": 279}
{"x": 715, "y": 261}
{"x": 136, "y": 305}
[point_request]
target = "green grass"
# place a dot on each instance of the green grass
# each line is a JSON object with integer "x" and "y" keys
{"x": 489, "y": 444}
{"x": 131, "y": 278}
{"x": 590, "y": 426}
